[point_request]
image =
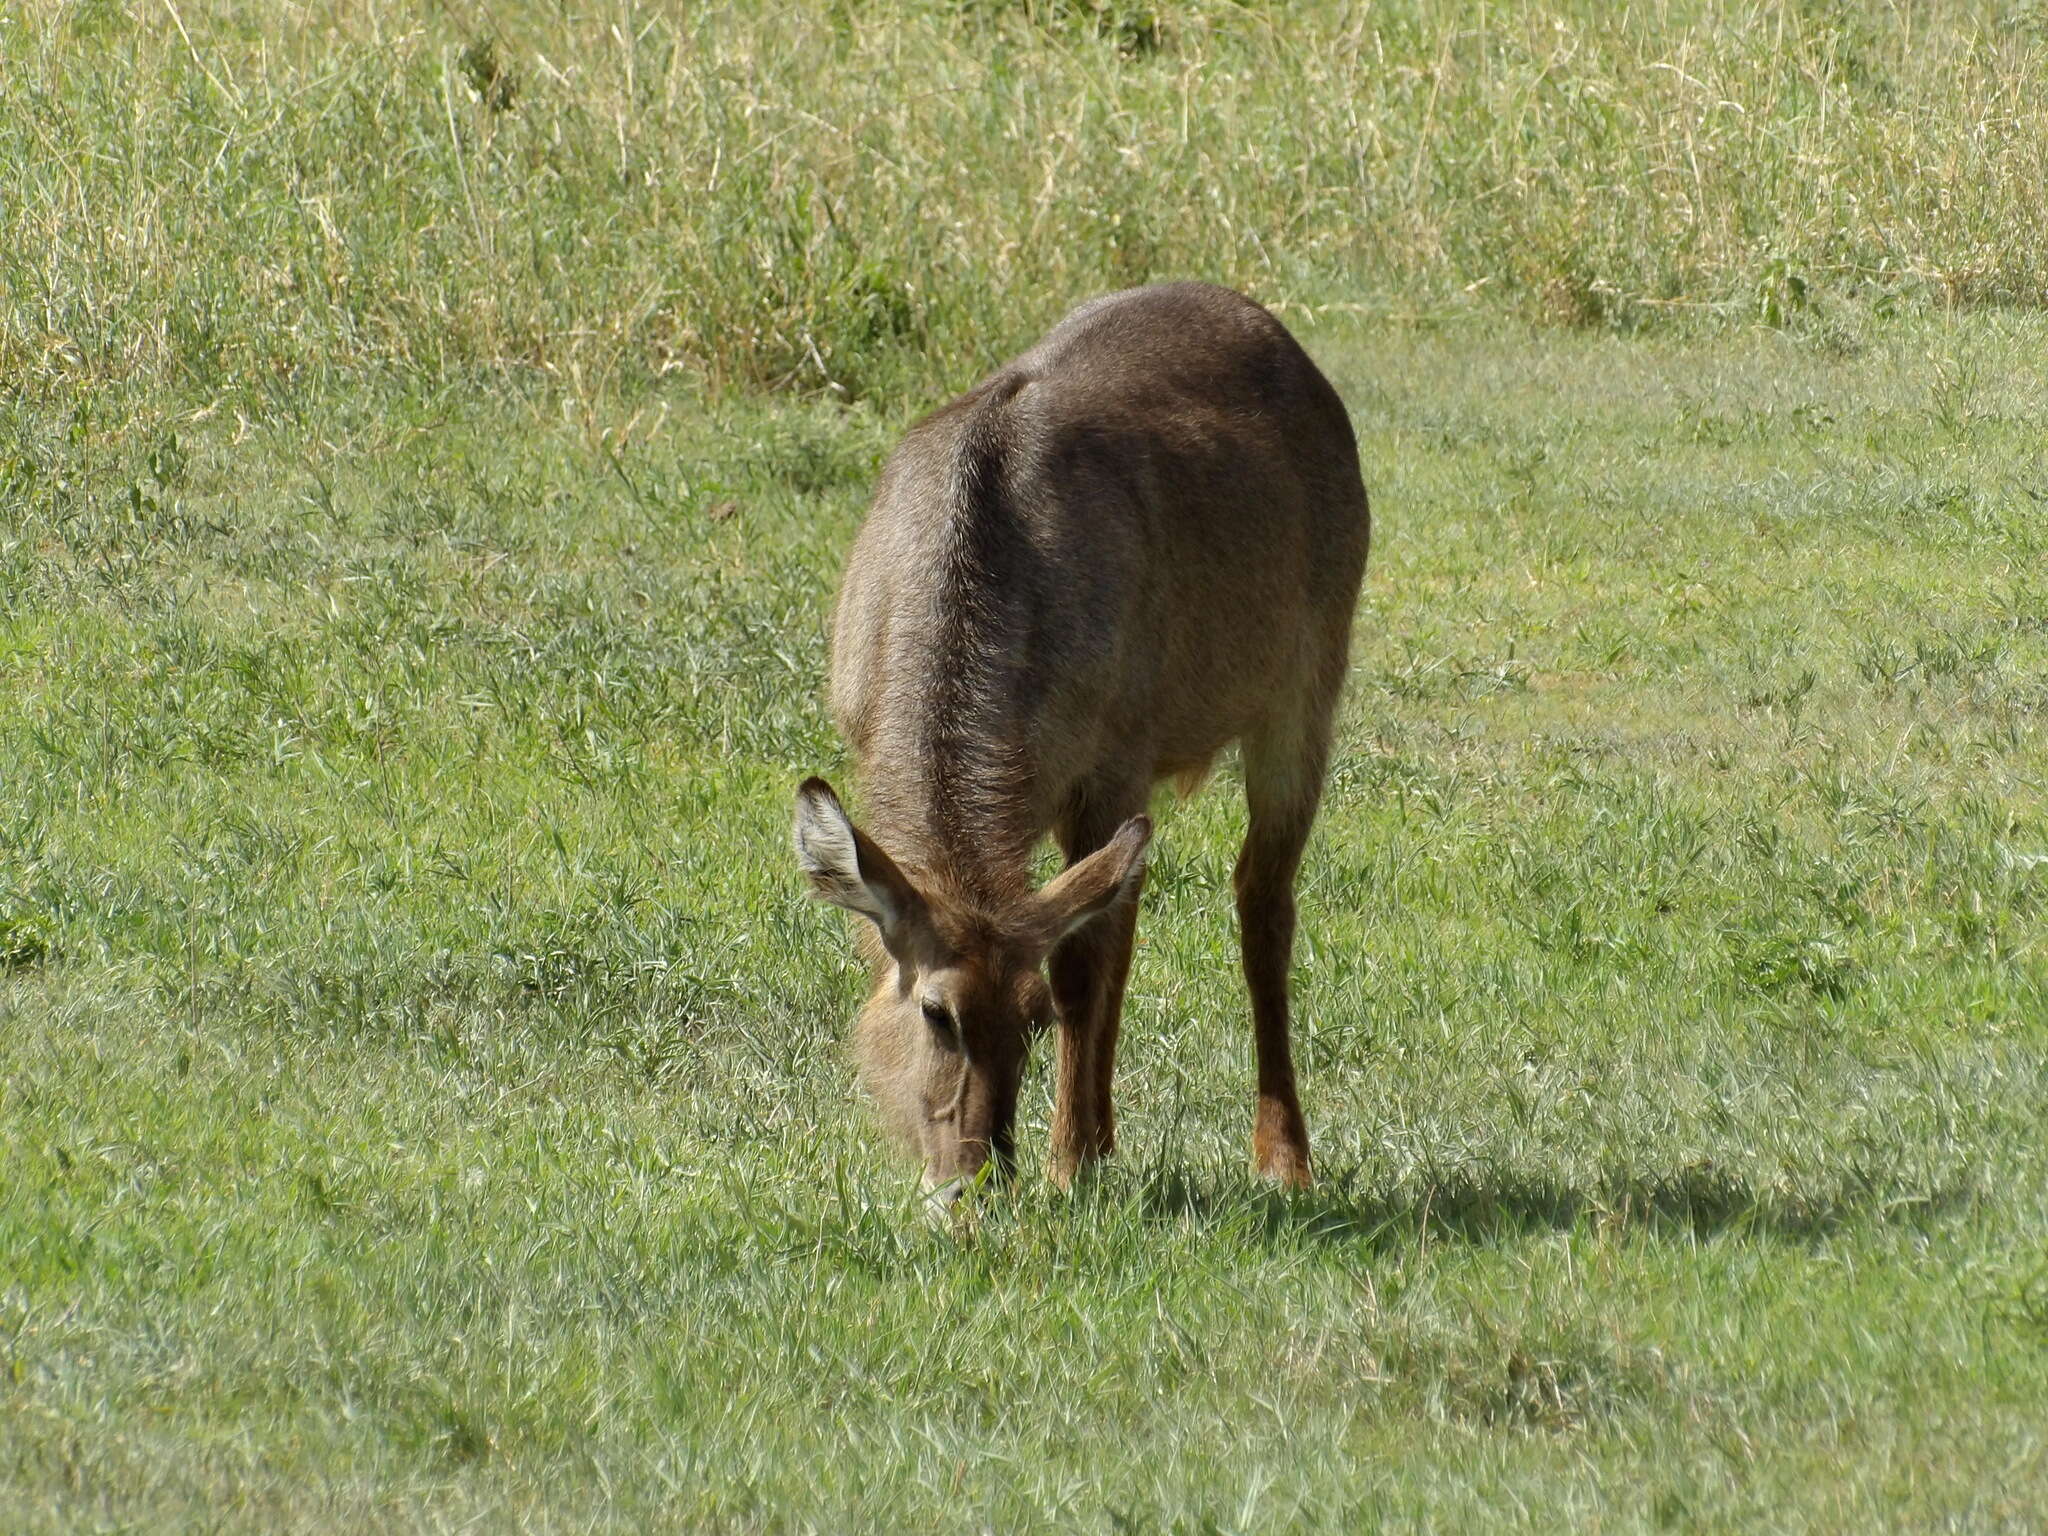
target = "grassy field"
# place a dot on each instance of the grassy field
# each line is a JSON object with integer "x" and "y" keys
{"x": 422, "y": 1103}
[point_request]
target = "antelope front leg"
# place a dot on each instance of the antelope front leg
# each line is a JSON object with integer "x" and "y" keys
{"x": 1265, "y": 907}
{"x": 1281, "y": 787}
{"x": 1087, "y": 972}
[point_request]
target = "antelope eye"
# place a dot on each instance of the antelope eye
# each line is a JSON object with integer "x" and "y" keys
{"x": 935, "y": 1015}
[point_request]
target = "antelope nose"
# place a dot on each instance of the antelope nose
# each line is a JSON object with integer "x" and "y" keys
{"x": 940, "y": 1194}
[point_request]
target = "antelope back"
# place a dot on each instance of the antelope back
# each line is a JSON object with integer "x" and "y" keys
{"x": 1134, "y": 544}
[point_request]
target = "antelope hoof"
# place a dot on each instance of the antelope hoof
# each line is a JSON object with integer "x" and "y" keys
{"x": 1068, "y": 1168}
{"x": 1280, "y": 1152}
{"x": 1285, "y": 1167}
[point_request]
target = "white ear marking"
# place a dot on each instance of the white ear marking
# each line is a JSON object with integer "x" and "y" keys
{"x": 828, "y": 849}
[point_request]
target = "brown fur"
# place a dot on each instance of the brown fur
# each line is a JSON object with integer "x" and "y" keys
{"x": 1136, "y": 544}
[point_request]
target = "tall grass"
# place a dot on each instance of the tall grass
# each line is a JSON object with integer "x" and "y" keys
{"x": 240, "y": 200}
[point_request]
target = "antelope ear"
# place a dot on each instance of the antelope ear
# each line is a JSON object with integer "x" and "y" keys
{"x": 844, "y": 865}
{"x": 1112, "y": 873}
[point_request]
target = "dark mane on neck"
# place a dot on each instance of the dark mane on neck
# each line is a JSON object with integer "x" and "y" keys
{"x": 973, "y": 781}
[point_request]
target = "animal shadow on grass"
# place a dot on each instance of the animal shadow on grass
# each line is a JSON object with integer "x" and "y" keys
{"x": 1493, "y": 1204}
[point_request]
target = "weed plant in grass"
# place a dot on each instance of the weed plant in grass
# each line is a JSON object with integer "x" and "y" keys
{"x": 421, "y": 1094}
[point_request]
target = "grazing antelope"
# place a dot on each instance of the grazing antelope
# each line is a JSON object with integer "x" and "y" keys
{"x": 1136, "y": 544}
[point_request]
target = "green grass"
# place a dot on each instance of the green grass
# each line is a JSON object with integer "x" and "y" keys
{"x": 423, "y": 471}
{"x": 422, "y": 1089}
